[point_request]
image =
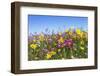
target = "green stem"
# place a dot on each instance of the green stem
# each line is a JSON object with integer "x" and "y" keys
{"x": 64, "y": 52}
{"x": 71, "y": 53}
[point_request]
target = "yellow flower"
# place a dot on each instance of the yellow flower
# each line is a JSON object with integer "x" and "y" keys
{"x": 34, "y": 46}
{"x": 50, "y": 54}
{"x": 53, "y": 52}
{"x": 82, "y": 48}
{"x": 78, "y": 31}
{"x": 41, "y": 37}
{"x": 61, "y": 40}
{"x": 81, "y": 34}
{"x": 70, "y": 32}
{"x": 59, "y": 50}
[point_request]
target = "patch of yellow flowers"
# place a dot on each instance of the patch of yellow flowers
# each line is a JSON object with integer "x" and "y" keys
{"x": 79, "y": 32}
{"x": 50, "y": 54}
{"x": 33, "y": 46}
{"x": 61, "y": 40}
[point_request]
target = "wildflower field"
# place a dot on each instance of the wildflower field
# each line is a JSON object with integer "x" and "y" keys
{"x": 70, "y": 44}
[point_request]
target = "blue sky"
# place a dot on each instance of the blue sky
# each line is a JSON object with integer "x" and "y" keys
{"x": 39, "y": 23}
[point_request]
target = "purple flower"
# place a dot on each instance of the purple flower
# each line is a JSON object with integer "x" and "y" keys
{"x": 59, "y": 46}
{"x": 64, "y": 34}
{"x": 68, "y": 43}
